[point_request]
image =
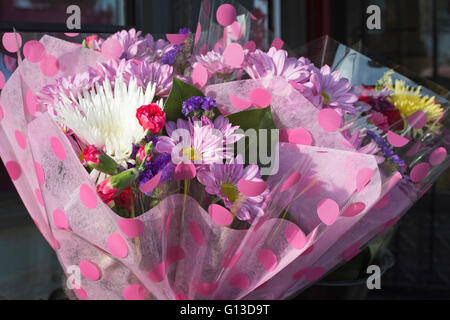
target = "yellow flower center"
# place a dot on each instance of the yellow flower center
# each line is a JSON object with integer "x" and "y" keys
{"x": 192, "y": 154}
{"x": 230, "y": 191}
{"x": 326, "y": 97}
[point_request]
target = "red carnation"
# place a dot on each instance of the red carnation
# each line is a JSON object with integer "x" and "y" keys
{"x": 91, "y": 154}
{"x": 151, "y": 118}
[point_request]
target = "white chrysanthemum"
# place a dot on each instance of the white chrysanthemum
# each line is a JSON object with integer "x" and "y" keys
{"x": 106, "y": 117}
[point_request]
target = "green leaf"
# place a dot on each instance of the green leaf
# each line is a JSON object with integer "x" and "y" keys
{"x": 256, "y": 119}
{"x": 180, "y": 92}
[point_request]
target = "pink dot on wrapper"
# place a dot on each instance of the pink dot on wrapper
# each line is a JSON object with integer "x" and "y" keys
{"x": 112, "y": 49}
{"x": 199, "y": 76}
{"x": 158, "y": 273}
{"x": 39, "y": 173}
{"x": 175, "y": 254}
{"x": 291, "y": 181}
{"x": 229, "y": 262}
{"x": 1, "y": 113}
{"x": 295, "y": 237}
{"x": 299, "y": 274}
{"x": 383, "y": 202}
{"x": 267, "y": 259}
{"x": 240, "y": 104}
{"x": 250, "y": 46}
{"x": 180, "y": 296}
{"x": 60, "y": 220}
{"x": 418, "y": 120}
{"x": 234, "y": 55}
{"x": 134, "y": 292}
{"x": 69, "y": 34}
{"x": 20, "y": 139}
{"x": 58, "y": 148}
{"x": 438, "y": 156}
{"x": 396, "y": 141}
{"x": 81, "y": 293}
{"x": 132, "y": 228}
{"x": 198, "y": 33}
{"x": 308, "y": 251}
{"x": 34, "y": 51}
{"x": 89, "y": 270}
{"x": 88, "y": 197}
{"x": 38, "y": 194}
{"x": 176, "y": 38}
{"x": 2, "y": 80}
{"x": 363, "y": 178}
{"x": 235, "y": 31}
{"x": 196, "y": 233}
{"x": 117, "y": 245}
{"x": 354, "y": 209}
{"x": 169, "y": 217}
{"x": 185, "y": 171}
{"x": 31, "y": 102}
{"x": 329, "y": 120}
{"x": 296, "y": 136}
{"x": 49, "y": 66}
{"x": 260, "y": 98}
{"x": 240, "y": 280}
{"x": 251, "y": 188}
{"x": 226, "y": 15}
{"x": 220, "y": 215}
{"x": 277, "y": 43}
{"x": 148, "y": 187}
{"x": 12, "y": 41}
{"x": 14, "y": 170}
{"x": 314, "y": 274}
{"x": 396, "y": 178}
{"x": 328, "y": 211}
{"x": 419, "y": 172}
{"x": 206, "y": 289}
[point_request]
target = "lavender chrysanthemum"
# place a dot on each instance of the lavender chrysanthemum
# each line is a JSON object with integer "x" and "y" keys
{"x": 275, "y": 63}
{"x": 327, "y": 89}
{"x": 203, "y": 141}
{"x": 222, "y": 180}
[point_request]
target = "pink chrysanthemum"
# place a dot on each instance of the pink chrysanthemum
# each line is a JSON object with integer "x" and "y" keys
{"x": 214, "y": 62}
{"x": 275, "y": 63}
{"x": 222, "y": 180}
{"x": 327, "y": 89}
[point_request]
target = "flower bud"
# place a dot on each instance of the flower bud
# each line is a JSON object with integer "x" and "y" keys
{"x": 99, "y": 160}
{"x": 113, "y": 187}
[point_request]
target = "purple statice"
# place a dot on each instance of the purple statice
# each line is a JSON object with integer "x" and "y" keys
{"x": 327, "y": 89}
{"x": 276, "y": 63}
{"x": 385, "y": 149}
{"x": 196, "y": 103}
{"x": 223, "y": 179}
{"x": 170, "y": 57}
{"x": 160, "y": 163}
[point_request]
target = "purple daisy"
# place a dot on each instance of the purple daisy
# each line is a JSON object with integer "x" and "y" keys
{"x": 222, "y": 180}
{"x": 327, "y": 89}
{"x": 196, "y": 103}
{"x": 275, "y": 63}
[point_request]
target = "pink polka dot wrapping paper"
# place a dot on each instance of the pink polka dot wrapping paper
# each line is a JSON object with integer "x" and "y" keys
{"x": 339, "y": 198}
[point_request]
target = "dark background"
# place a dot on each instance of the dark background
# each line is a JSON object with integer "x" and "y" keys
{"x": 415, "y": 34}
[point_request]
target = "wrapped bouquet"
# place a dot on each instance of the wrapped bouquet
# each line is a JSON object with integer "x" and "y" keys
{"x": 205, "y": 166}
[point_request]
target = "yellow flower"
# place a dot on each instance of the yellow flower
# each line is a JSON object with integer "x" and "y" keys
{"x": 408, "y": 100}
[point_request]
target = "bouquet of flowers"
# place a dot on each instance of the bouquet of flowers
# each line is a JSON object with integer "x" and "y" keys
{"x": 202, "y": 167}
